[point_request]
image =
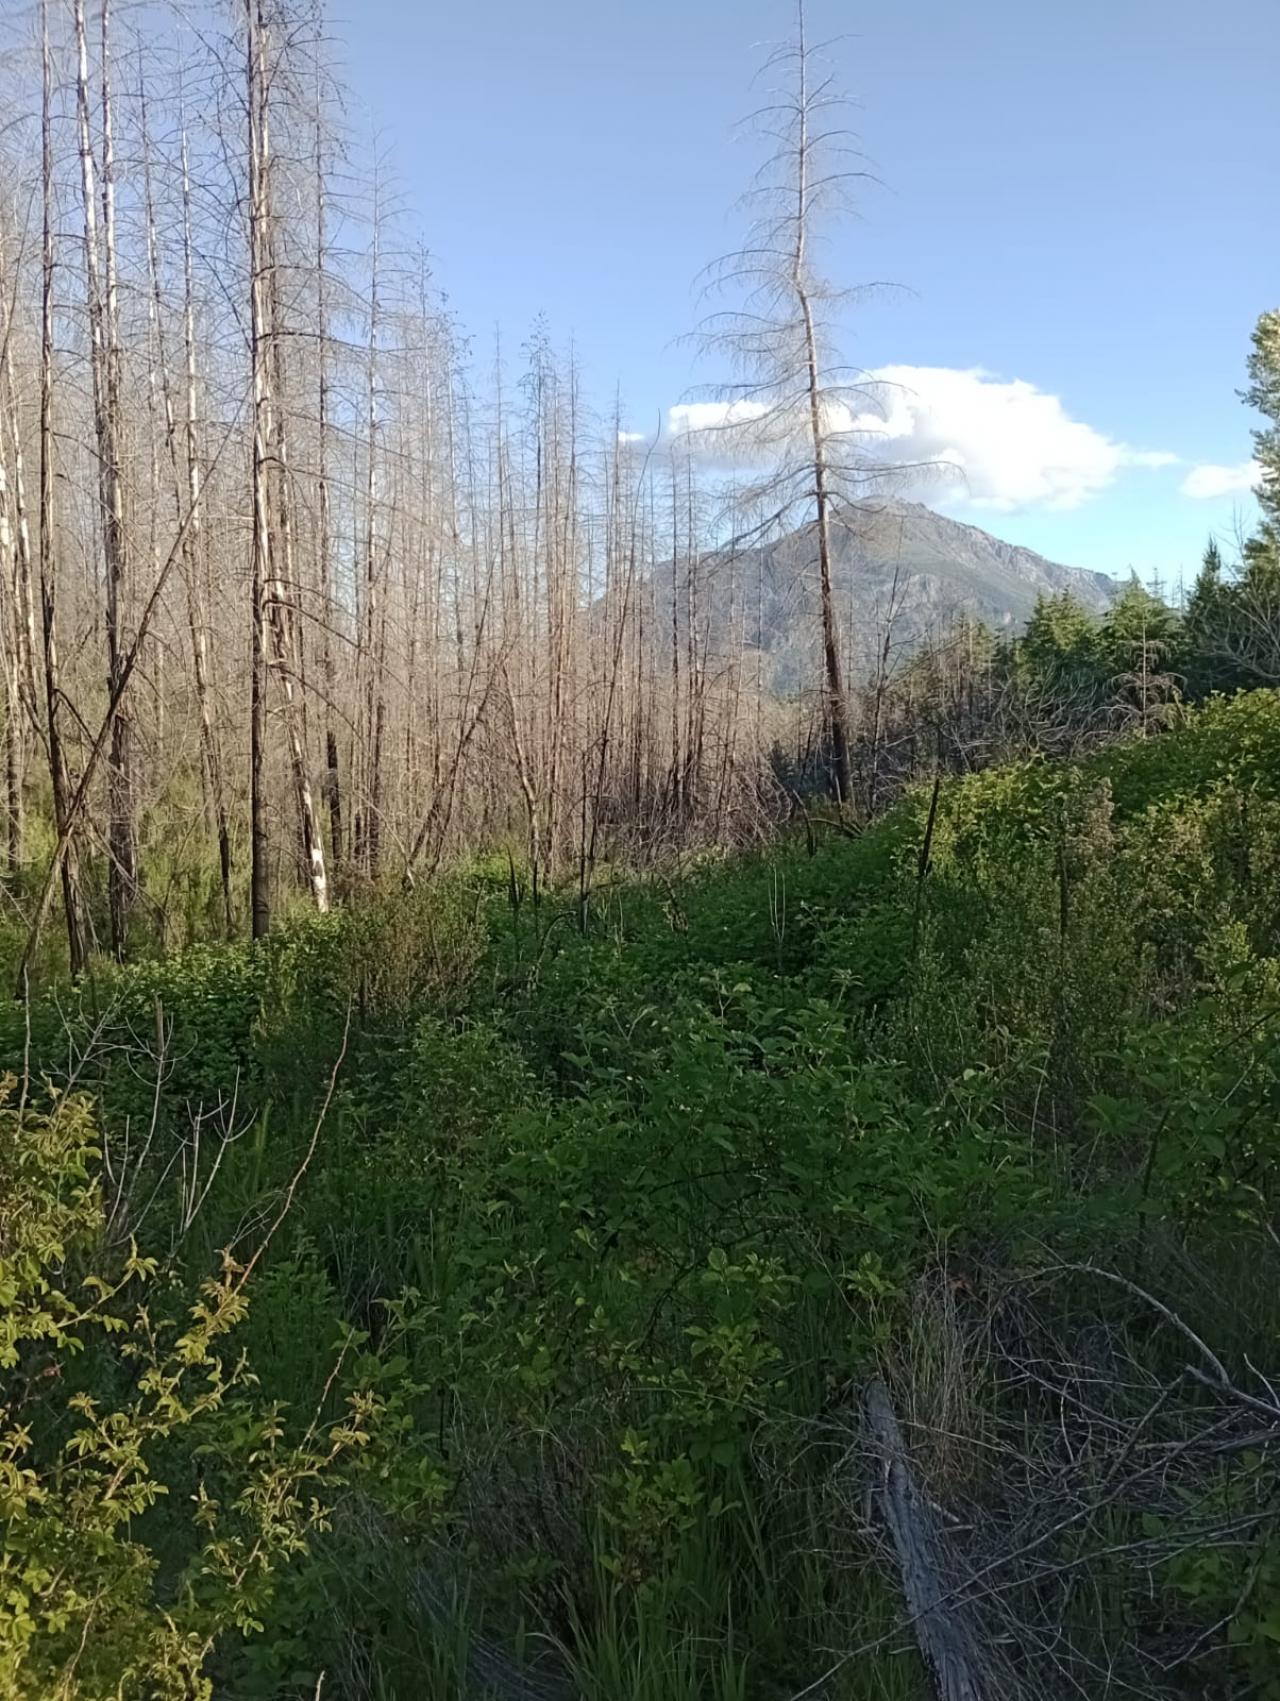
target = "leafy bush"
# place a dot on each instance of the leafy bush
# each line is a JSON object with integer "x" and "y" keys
{"x": 98, "y": 1395}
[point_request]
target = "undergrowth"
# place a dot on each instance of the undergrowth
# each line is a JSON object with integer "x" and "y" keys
{"x": 596, "y": 1228}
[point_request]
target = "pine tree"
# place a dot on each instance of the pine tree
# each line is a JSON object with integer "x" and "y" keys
{"x": 1138, "y": 641}
{"x": 1061, "y": 636}
{"x": 1137, "y": 620}
{"x": 1264, "y": 394}
{"x": 1205, "y": 622}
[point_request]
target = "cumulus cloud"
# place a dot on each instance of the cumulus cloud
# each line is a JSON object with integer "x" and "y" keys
{"x": 748, "y": 432}
{"x": 996, "y": 443}
{"x": 1010, "y": 444}
{"x": 713, "y": 416}
{"x": 633, "y": 436}
{"x": 1204, "y": 482}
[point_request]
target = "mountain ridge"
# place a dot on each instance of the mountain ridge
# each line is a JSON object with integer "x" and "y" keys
{"x": 900, "y": 565}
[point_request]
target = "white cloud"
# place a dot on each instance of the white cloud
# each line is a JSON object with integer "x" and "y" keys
{"x": 633, "y": 436}
{"x": 1205, "y": 482}
{"x": 712, "y": 416}
{"x": 997, "y": 443}
{"x": 1011, "y": 445}
{"x": 748, "y": 432}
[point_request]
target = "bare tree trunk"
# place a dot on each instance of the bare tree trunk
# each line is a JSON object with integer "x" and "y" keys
{"x": 10, "y": 644}
{"x": 837, "y": 708}
{"x": 563, "y": 623}
{"x": 106, "y": 363}
{"x": 282, "y": 591}
{"x": 193, "y": 564}
{"x": 11, "y": 609}
{"x": 185, "y": 469}
{"x": 676, "y": 769}
{"x": 23, "y": 580}
{"x": 329, "y": 601}
{"x": 259, "y": 837}
{"x": 942, "y": 1624}
{"x": 58, "y": 774}
{"x": 373, "y": 623}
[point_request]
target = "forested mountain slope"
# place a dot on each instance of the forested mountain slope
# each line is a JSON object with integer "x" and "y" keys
{"x": 900, "y": 570}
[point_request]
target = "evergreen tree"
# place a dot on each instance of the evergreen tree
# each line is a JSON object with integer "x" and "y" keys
{"x": 1135, "y": 621}
{"x": 1061, "y": 636}
{"x": 1262, "y": 552}
{"x": 1205, "y": 657}
{"x": 1138, "y": 641}
{"x": 1263, "y": 393}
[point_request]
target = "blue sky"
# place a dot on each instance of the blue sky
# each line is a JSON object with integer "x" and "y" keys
{"x": 1078, "y": 202}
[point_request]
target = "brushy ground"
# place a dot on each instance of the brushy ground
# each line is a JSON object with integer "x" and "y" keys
{"x": 580, "y": 1242}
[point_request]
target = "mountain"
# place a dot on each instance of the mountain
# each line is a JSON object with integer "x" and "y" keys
{"x": 901, "y": 556}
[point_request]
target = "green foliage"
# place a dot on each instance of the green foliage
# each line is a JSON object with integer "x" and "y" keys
{"x": 1264, "y": 395}
{"x": 607, "y": 1223}
{"x": 99, "y": 1391}
{"x": 1061, "y": 636}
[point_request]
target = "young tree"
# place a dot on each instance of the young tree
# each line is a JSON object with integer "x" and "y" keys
{"x": 1138, "y": 641}
{"x": 1203, "y": 621}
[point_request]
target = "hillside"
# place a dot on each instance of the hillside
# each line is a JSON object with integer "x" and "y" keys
{"x": 579, "y": 1244}
{"x": 901, "y": 556}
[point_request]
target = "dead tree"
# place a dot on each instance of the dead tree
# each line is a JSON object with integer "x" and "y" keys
{"x": 195, "y": 566}
{"x": 271, "y": 575}
{"x": 939, "y": 1616}
{"x": 59, "y": 774}
{"x": 102, "y": 296}
{"x": 792, "y": 417}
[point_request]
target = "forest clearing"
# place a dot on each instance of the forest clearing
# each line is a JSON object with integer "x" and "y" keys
{"x": 634, "y": 1065}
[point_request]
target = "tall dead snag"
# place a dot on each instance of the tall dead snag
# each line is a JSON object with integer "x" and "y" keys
{"x": 282, "y": 611}
{"x": 372, "y": 633}
{"x": 102, "y": 295}
{"x": 58, "y": 773}
{"x": 24, "y": 581}
{"x": 562, "y": 541}
{"x": 193, "y": 561}
{"x": 675, "y": 771}
{"x": 10, "y": 660}
{"x": 12, "y": 613}
{"x": 273, "y": 640}
{"x": 793, "y": 417}
{"x": 259, "y": 837}
{"x": 17, "y": 629}
{"x": 324, "y": 525}
{"x": 806, "y": 105}
{"x": 185, "y": 468}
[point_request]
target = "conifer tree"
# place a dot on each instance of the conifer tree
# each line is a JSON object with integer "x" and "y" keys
{"x": 1263, "y": 393}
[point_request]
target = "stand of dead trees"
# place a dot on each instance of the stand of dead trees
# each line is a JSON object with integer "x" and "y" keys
{"x": 299, "y": 591}
{"x": 405, "y": 613}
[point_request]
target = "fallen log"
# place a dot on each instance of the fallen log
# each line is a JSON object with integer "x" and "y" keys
{"x": 939, "y": 1616}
